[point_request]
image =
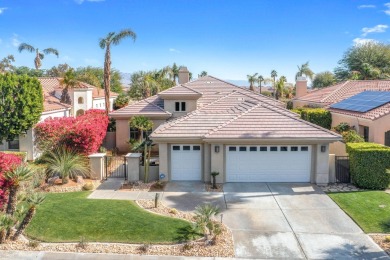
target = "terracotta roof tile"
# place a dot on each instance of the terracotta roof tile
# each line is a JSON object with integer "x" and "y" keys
{"x": 179, "y": 90}
{"x": 143, "y": 107}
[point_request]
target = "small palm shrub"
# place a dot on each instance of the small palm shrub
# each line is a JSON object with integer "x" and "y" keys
{"x": 66, "y": 163}
{"x": 204, "y": 217}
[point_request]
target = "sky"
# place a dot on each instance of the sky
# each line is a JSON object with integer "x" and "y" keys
{"x": 228, "y": 39}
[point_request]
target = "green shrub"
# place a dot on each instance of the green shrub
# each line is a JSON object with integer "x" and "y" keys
{"x": 342, "y": 127}
{"x": 351, "y": 136}
{"x": 21, "y": 155}
{"x": 318, "y": 116}
{"x": 368, "y": 164}
{"x": 289, "y": 105}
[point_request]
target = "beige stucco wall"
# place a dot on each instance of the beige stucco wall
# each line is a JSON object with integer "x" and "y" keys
{"x": 206, "y": 162}
{"x": 164, "y": 158}
{"x": 338, "y": 149}
{"x": 321, "y": 166}
{"x": 169, "y": 105}
{"x": 218, "y": 162}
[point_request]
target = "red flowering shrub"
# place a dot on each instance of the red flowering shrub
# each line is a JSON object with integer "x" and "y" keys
{"x": 7, "y": 163}
{"x": 84, "y": 133}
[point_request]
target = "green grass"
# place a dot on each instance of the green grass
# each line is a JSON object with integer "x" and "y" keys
{"x": 65, "y": 217}
{"x": 369, "y": 209}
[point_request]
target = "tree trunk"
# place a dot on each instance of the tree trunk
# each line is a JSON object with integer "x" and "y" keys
{"x": 146, "y": 168}
{"x": 2, "y": 236}
{"x": 260, "y": 87}
{"x": 27, "y": 219}
{"x": 107, "y": 77}
{"x": 12, "y": 200}
{"x": 65, "y": 96}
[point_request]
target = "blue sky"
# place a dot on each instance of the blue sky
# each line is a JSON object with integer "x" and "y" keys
{"x": 228, "y": 39}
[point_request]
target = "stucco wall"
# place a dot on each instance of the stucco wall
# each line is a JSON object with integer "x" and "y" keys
{"x": 321, "y": 164}
{"x": 164, "y": 160}
{"x": 218, "y": 162}
{"x": 169, "y": 105}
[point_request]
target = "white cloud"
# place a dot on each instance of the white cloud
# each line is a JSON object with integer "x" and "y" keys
{"x": 380, "y": 28}
{"x": 366, "y": 6}
{"x": 15, "y": 40}
{"x": 388, "y": 8}
{"x": 358, "y": 41}
{"x": 2, "y": 9}
{"x": 82, "y": 1}
{"x": 174, "y": 50}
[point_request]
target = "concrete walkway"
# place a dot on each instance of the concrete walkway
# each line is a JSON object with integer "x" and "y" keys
{"x": 272, "y": 220}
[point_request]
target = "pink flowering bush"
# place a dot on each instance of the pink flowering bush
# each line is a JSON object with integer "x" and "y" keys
{"x": 7, "y": 163}
{"x": 84, "y": 134}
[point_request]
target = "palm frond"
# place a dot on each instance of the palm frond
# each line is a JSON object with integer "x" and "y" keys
{"x": 102, "y": 43}
{"x": 26, "y": 47}
{"x": 41, "y": 56}
{"x": 122, "y": 35}
{"x": 51, "y": 51}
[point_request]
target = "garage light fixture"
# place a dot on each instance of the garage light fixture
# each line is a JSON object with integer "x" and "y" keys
{"x": 216, "y": 148}
{"x": 323, "y": 148}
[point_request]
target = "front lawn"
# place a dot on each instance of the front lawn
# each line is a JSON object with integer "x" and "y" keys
{"x": 370, "y": 209}
{"x": 65, "y": 217}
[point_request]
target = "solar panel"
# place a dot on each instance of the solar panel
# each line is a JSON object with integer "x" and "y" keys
{"x": 364, "y": 101}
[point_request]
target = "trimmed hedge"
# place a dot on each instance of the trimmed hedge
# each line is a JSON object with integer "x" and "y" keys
{"x": 21, "y": 155}
{"x": 318, "y": 116}
{"x": 368, "y": 164}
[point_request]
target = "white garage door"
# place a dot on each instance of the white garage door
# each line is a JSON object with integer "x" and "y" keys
{"x": 186, "y": 162}
{"x": 272, "y": 163}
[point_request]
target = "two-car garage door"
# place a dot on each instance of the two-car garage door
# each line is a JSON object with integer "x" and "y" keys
{"x": 272, "y": 163}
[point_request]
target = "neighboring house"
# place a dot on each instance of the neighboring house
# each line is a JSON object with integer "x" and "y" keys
{"x": 210, "y": 125}
{"x": 372, "y": 122}
{"x": 86, "y": 97}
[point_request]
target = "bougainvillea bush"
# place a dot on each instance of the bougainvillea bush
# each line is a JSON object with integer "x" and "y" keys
{"x": 7, "y": 163}
{"x": 84, "y": 133}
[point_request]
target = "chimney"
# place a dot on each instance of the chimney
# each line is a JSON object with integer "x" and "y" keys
{"x": 301, "y": 87}
{"x": 184, "y": 75}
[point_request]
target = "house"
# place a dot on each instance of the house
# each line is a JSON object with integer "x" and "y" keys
{"x": 210, "y": 125}
{"x": 371, "y": 119}
{"x": 83, "y": 97}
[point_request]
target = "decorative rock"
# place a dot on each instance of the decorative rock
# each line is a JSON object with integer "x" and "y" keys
{"x": 80, "y": 179}
{"x": 52, "y": 180}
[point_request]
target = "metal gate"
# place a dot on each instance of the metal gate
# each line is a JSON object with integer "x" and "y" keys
{"x": 116, "y": 167}
{"x": 342, "y": 169}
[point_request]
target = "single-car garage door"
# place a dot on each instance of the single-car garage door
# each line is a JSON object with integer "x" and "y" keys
{"x": 186, "y": 161}
{"x": 271, "y": 163}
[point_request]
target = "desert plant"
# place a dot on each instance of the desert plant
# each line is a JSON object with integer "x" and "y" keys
{"x": 66, "y": 163}
{"x": 83, "y": 244}
{"x": 144, "y": 248}
{"x": 6, "y": 223}
{"x": 88, "y": 186}
{"x": 214, "y": 174}
{"x": 351, "y": 136}
{"x": 342, "y": 127}
{"x": 33, "y": 243}
{"x": 204, "y": 219}
{"x": 33, "y": 201}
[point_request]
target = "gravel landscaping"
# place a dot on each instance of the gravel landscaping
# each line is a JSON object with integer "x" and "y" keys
{"x": 381, "y": 240}
{"x": 340, "y": 187}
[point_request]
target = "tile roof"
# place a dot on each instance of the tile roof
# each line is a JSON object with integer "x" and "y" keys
{"x": 143, "y": 107}
{"x": 347, "y": 89}
{"x": 237, "y": 115}
{"x": 51, "y": 103}
{"x": 179, "y": 90}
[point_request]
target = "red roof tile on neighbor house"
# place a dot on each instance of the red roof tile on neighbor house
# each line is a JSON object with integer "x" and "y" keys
{"x": 330, "y": 95}
{"x": 51, "y": 103}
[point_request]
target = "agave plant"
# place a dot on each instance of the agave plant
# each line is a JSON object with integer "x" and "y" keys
{"x": 14, "y": 178}
{"x": 33, "y": 201}
{"x": 6, "y": 223}
{"x": 66, "y": 163}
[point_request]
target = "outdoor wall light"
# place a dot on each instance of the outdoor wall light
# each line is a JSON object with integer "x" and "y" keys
{"x": 216, "y": 148}
{"x": 323, "y": 148}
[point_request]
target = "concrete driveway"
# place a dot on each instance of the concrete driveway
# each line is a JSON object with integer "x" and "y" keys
{"x": 279, "y": 220}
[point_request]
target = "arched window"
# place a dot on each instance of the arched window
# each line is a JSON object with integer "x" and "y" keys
{"x": 81, "y": 100}
{"x": 80, "y": 112}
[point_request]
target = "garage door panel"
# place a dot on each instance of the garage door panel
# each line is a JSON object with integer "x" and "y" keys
{"x": 186, "y": 163}
{"x": 289, "y": 165}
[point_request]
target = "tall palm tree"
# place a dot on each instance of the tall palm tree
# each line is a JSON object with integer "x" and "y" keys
{"x": 274, "y": 74}
{"x": 33, "y": 201}
{"x": 304, "y": 70}
{"x": 280, "y": 87}
{"x": 105, "y": 43}
{"x": 68, "y": 81}
{"x": 66, "y": 163}
{"x": 175, "y": 72}
{"x": 14, "y": 178}
{"x": 260, "y": 79}
{"x": 252, "y": 79}
{"x": 38, "y": 55}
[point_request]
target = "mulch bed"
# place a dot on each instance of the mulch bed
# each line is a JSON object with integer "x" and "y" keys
{"x": 209, "y": 187}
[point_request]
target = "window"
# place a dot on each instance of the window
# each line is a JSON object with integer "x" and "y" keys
{"x": 176, "y": 148}
{"x": 186, "y": 147}
{"x": 80, "y": 100}
{"x": 294, "y": 148}
{"x": 242, "y": 149}
{"x": 263, "y": 148}
{"x": 253, "y": 149}
{"x": 273, "y": 149}
{"x": 232, "y": 149}
{"x": 366, "y": 133}
{"x": 180, "y": 106}
{"x": 14, "y": 144}
{"x": 196, "y": 148}
{"x": 284, "y": 148}
{"x": 304, "y": 148}
{"x": 134, "y": 133}
{"x": 80, "y": 112}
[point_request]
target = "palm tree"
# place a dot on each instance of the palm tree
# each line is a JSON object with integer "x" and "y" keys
{"x": 252, "y": 79}
{"x": 259, "y": 80}
{"x": 105, "y": 43}
{"x": 38, "y": 55}
{"x": 203, "y": 74}
{"x": 14, "y": 178}
{"x": 6, "y": 223}
{"x": 175, "y": 72}
{"x": 204, "y": 218}
{"x": 66, "y": 163}
{"x": 274, "y": 74}
{"x": 304, "y": 70}
{"x": 280, "y": 87}
{"x": 69, "y": 81}
{"x": 33, "y": 201}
